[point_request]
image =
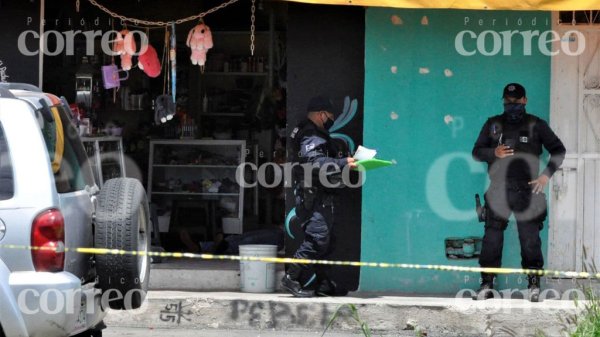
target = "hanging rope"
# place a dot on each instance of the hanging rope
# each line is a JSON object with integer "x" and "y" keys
{"x": 160, "y": 23}
{"x": 112, "y": 61}
{"x": 165, "y": 64}
{"x": 252, "y": 27}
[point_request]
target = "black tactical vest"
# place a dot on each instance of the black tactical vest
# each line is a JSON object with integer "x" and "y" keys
{"x": 523, "y": 166}
{"x": 308, "y": 131}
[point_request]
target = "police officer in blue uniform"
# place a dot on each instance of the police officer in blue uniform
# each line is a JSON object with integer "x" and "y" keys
{"x": 318, "y": 171}
{"x": 511, "y": 144}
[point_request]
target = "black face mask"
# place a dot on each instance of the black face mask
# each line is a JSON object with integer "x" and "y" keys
{"x": 514, "y": 112}
{"x": 328, "y": 124}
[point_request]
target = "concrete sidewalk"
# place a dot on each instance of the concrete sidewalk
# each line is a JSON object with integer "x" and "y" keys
{"x": 385, "y": 314}
{"x": 147, "y": 332}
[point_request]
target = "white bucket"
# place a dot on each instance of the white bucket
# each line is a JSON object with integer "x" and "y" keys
{"x": 257, "y": 276}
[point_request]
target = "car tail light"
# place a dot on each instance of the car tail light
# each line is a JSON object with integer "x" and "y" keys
{"x": 48, "y": 241}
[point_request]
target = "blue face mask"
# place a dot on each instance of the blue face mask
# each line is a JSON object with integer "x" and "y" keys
{"x": 514, "y": 112}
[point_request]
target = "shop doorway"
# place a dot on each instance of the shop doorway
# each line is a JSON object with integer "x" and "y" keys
{"x": 230, "y": 112}
{"x": 574, "y": 233}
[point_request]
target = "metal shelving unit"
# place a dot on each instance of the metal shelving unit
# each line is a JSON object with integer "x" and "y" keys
{"x": 179, "y": 169}
{"x": 106, "y": 157}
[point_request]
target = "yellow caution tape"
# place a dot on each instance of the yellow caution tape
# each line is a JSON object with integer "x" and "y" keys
{"x": 106, "y": 251}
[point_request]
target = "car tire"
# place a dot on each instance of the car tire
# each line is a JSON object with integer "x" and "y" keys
{"x": 123, "y": 222}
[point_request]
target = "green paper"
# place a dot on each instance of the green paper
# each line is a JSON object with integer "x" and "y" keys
{"x": 369, "y": 164}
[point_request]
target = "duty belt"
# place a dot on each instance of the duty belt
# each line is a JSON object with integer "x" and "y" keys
{"x": 513, "y": 185}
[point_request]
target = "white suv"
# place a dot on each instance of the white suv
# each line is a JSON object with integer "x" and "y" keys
{"x": 49, "y": 207}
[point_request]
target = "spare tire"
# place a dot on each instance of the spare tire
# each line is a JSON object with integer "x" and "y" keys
{"x": 123, "y": 222}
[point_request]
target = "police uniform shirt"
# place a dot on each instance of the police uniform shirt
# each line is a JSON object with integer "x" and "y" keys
{"x": 313, "y": 145}
{"x": 526, "y": 138}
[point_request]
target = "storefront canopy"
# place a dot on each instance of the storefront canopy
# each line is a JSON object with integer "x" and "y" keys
{"x": 546, "y": 5}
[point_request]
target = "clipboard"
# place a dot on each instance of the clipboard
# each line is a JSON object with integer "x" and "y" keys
{"x": 371, "y": 164}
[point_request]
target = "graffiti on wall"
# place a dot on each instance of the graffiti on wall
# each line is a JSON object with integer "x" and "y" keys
{"x": 173, "y": 313}
{"x": 278, "y": 315}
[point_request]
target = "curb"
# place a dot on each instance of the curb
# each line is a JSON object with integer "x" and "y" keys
{"x": 384, "y": 314}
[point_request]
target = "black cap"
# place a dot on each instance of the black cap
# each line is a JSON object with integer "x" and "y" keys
{"x": 319, "y": 103}
{"x": 514, "y": 90}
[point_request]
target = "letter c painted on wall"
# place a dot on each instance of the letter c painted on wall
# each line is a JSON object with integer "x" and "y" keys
{"x": 437, "y": 190}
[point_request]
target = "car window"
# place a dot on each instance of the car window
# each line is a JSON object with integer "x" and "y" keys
{"x": 66, "y": 153}
{"x": 7, "y": 187}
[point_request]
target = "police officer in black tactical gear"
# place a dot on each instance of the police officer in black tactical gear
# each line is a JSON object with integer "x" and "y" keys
{"x": 511, "y": 144}
{"x": 317, "y": 173}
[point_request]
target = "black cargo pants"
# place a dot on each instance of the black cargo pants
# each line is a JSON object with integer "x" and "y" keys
{"x": 530, "y": 211}
{"x": 317, "y": 222}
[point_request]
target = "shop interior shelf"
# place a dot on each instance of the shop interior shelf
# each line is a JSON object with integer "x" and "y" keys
{"x": 189, "y": 169}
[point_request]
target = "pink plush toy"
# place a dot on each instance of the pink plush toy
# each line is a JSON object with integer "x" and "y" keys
{"x": 200, "y": 41}
{"x": 124, "y": 45}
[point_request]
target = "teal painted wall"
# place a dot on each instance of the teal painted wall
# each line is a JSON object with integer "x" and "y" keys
{"x": 409, "y": 209}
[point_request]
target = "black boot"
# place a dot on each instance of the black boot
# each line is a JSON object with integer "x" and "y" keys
{"x": 291, "y": 282}
{"x": 534, "y": 288}
{"x": 328, "y": 287}
{"x": 486, "y": 290}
